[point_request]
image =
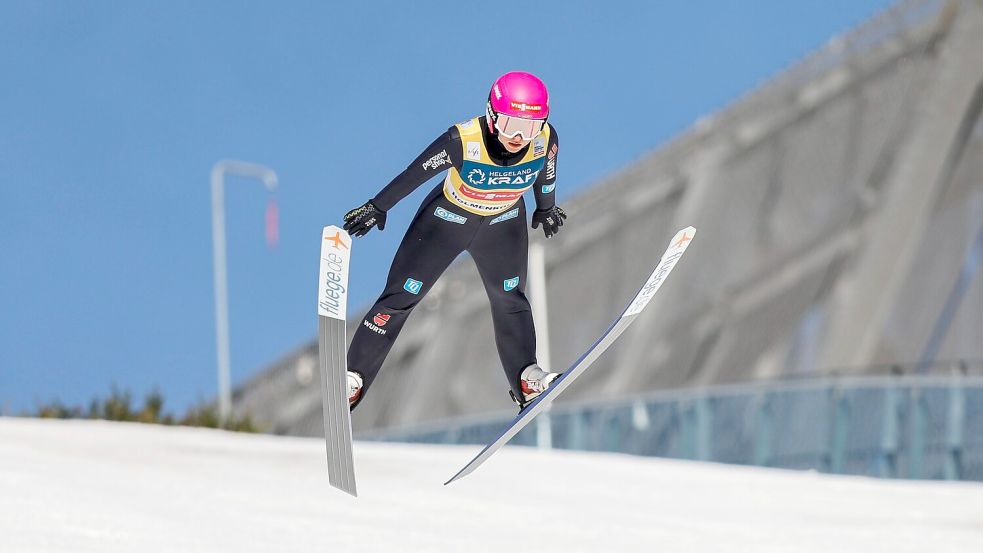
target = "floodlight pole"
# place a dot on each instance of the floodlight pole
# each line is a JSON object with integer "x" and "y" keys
{"x": 269, "y": 179}
{"x": 537, "y": 292}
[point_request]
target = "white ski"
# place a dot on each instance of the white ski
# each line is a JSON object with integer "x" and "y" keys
{"x": 332, "y": 300}
{"x": 677, "y": 246}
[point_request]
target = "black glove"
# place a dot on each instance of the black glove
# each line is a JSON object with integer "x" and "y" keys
{"x": 361, "y": 219}
{"x": 551, "y": 219}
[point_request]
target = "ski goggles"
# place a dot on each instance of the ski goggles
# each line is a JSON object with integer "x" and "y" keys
{"x": 510, "y": 127}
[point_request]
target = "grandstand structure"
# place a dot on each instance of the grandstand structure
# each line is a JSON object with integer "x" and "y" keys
{"x": 840, "y": 217}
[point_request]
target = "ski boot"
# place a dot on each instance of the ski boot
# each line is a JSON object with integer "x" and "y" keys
{"x": 533, "y": 381}
{"x": 354, "y": 389}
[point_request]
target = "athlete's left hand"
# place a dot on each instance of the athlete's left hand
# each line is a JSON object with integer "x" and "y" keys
{"x": 551, "y": 219}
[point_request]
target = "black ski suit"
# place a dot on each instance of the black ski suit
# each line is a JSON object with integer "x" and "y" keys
{"x": 441, "y": 230}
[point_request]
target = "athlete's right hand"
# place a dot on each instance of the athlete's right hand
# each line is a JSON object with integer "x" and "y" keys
{"x": 361, "y": 219}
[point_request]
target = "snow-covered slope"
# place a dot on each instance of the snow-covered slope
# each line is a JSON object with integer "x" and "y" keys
{"x": 82, "y": 486}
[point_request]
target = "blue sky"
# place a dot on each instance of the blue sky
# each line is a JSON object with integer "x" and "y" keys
{"x": 113, "y": 113}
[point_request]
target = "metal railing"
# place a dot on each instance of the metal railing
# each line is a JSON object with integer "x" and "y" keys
{"x": 903, "y": 425}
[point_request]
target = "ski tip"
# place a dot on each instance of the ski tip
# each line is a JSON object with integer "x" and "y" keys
{"x": 682, "y": 238}
{"x": 337, "y": 238}
{"x": 333, "y": 229}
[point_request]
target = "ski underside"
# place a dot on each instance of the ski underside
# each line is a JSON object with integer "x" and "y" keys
{"x": 677, "y": 246}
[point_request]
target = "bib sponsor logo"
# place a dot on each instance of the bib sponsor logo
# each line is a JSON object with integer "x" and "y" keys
{"x": 381, "y": 319}
{"x": 467, "y": 124}
{"x": 413, "y": 286}
{"x": 523, "y": 179}
{"x": 503, "y": 177}
{"x": 539, "y": 146}
{"x": 473, "y": 151}
{"x": 489, "y": 176}
{"x": 498, "y": 196}
{"x": 548, "y": 188}
{"x": 511, "y": 283}
{"x": 476, "y": 176}
{"x": 473, "y": 205}
{"x": 448, "y": 216}
{"x": 512, "y": 214}
{"x": 437, "y": 161}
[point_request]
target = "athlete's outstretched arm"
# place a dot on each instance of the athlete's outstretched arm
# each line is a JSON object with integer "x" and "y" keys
{"x": 441, "y": 154}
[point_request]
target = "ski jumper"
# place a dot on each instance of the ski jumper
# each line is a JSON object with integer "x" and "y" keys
{"x": 477, "y": 208}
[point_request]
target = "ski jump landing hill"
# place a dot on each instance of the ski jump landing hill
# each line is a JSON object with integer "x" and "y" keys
{"x": 839, "y": 208}
{"x": 101, "y": 487}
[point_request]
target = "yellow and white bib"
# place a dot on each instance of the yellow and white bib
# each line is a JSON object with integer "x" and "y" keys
{"x": 485, "y": 188}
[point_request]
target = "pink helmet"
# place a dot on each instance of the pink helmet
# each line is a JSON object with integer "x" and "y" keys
{"x": 518, "y": 94}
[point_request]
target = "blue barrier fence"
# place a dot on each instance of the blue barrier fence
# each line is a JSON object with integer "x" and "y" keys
{"x": 911, "y": 426}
